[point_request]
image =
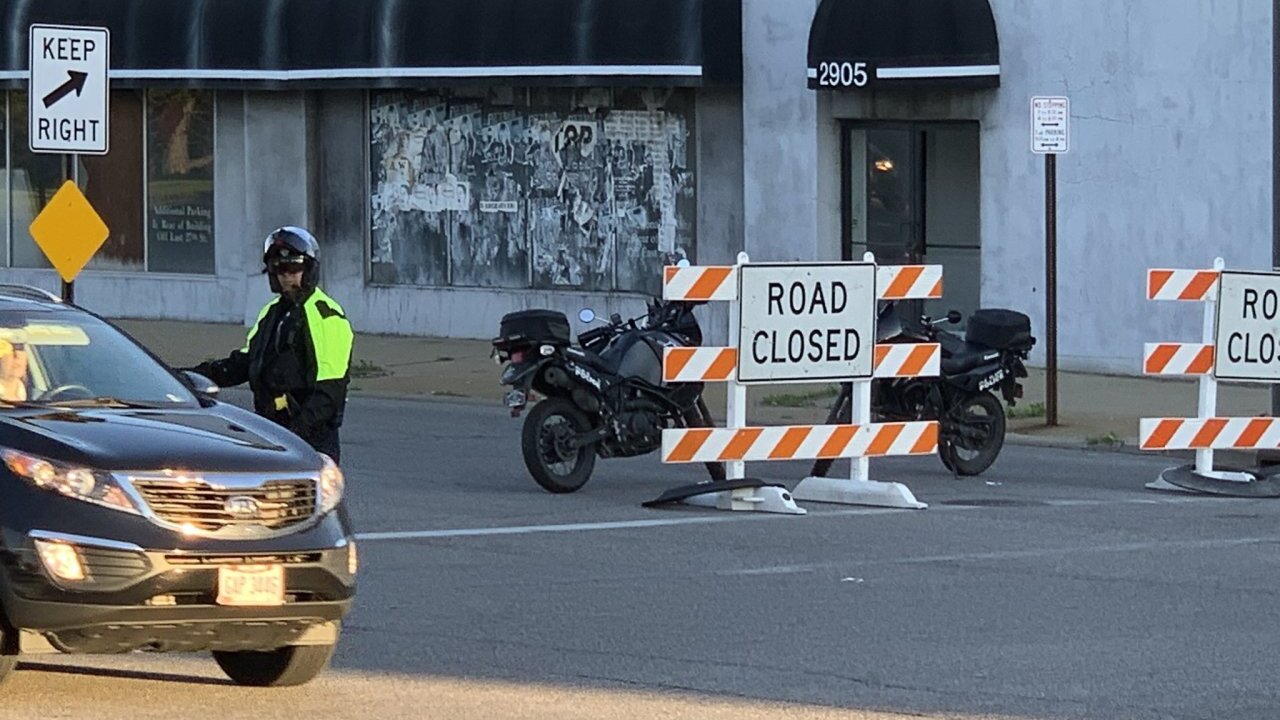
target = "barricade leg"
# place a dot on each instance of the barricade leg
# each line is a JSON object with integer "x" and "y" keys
{"x": 858, "y": 489}
{"x": 1206, "y": 407}
{"x": 768, "y": 498}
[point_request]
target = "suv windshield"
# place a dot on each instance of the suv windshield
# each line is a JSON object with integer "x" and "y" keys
{"x": 68, "y": 358}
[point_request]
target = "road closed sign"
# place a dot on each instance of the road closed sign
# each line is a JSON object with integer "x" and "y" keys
{"x": 1247, "y": 342}
{"x": 806, "y": 322}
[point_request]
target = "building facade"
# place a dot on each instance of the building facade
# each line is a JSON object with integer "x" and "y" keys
{"x": 460, "y": 161}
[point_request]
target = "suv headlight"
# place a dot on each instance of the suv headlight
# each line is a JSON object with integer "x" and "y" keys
{"x": 332, "y": 485}
{"x": 81, "y": 483}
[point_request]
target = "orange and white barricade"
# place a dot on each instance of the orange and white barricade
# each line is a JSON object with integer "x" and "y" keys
{"x": 1206, "y": 432}
{"x": 736, "y": 443}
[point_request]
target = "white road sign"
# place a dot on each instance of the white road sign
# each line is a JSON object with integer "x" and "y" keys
{"x": 1247, "y": 342}
{"x": 806, "y": 322}
{"x": 67, "y": 91}
{"x": 1050, "y": 125}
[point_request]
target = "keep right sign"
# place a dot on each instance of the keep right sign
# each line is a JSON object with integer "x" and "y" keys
{"x": 1247, "y": 342}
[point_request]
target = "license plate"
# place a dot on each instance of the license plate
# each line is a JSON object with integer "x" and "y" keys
{"x": 251, "y": 585}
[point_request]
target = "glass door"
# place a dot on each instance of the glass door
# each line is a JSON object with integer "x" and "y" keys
{"x": 912, "y": 196}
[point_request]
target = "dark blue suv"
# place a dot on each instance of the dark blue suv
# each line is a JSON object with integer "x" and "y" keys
{"x": 138, "y": 512}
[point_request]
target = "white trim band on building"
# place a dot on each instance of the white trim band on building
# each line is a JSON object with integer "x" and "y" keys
{"x": 399, "y": 72}
{"x": 894, "y": 73}
{"x": 905, "y": 73}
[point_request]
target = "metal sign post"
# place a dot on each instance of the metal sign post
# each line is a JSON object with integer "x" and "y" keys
{"x": 69, "y": 173}
{"x": 68, "y": 107}
{"x": 1275, "y": 183}
{"x": 1050, "y": 136}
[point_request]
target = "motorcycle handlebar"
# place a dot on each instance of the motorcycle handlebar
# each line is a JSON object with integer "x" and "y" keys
{"x": 594, "y": 334}
{"x": 656, "y": 316}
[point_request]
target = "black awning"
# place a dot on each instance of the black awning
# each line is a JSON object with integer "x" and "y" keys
{"x": 893, "y": 43}
{"x": 396, "y": 43}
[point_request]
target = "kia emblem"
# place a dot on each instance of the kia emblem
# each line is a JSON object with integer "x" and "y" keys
{"x": 242, "y": 507}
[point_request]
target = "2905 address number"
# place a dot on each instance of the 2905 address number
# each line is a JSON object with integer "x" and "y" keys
{"x": 842, "y": 74}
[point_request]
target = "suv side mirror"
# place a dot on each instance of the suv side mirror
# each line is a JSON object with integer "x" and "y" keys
{"x": 201, "y": 384}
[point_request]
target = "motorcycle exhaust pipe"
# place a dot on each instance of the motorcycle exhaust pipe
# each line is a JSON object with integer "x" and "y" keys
{"x": 586, "y": 400}
{"x": 557, "y": 377}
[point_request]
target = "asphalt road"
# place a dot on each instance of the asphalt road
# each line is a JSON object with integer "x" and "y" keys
{"x": 1055, "y": 586}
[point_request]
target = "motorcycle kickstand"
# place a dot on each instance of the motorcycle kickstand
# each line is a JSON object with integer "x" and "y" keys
{"x": 841, "y": 412}
{"x": 702, "y": 412}
{"x": 943, "y": 447}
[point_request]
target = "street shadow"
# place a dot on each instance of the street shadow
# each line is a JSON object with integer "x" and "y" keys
{"x": 118, "y": 674}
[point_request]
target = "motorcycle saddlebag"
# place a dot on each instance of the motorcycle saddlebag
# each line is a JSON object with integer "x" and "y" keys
{"x": 999, "y": 329}
{"x": 533, "y": 327}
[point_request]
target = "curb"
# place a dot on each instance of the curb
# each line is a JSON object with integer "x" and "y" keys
{"x": 424, "y": 397}
{"x": 1128, "y": 446}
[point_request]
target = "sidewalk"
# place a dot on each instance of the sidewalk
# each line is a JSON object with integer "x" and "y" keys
{"x": 1094, "y": 410}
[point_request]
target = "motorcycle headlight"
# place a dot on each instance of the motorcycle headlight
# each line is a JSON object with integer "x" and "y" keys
{"x": 80, "y": 483}
{"x": 332, "y": 485}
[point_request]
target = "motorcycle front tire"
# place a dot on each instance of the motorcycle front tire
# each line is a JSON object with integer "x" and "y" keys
{"x": 547, "y": 425}
{"x": 984, "y": 408}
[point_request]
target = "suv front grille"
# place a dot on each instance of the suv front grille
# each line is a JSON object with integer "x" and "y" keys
{"x": 197, "y": 504}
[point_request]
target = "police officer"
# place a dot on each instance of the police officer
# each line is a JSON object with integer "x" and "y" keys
{"x": 297, "y": 356}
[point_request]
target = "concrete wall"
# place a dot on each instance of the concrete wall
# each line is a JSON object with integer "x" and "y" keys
{"x": 780, "y": 150}
{"x": 1170, "y": 160}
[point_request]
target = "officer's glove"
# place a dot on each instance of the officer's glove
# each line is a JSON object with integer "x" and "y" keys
{"x": 204, "y": 369}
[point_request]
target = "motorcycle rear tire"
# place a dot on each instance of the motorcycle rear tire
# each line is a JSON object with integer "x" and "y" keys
{"x": 537, "y": 440}
{"x": 990, "y": 407}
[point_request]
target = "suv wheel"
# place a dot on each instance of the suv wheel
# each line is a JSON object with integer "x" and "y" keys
{"x": 293, "y": 665}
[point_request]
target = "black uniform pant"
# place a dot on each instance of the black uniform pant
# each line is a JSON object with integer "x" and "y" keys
{"x": 323, "y": 439}
{"x": 326, "y": 441}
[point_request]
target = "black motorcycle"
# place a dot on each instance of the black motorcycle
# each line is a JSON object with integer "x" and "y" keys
{"x": 971, "y": 419}
{"x": 604, "y": 397}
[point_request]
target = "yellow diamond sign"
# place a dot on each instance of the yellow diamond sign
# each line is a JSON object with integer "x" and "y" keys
{"x": 69, "y": 231}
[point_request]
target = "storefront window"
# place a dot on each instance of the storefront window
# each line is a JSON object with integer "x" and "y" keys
{"x": 113, "y": 185}
{"x": 33, "y": 179}
{"x": 167, "y": 228}
{"x": 553, "y": 188}
{"x": 179, "y": 179}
